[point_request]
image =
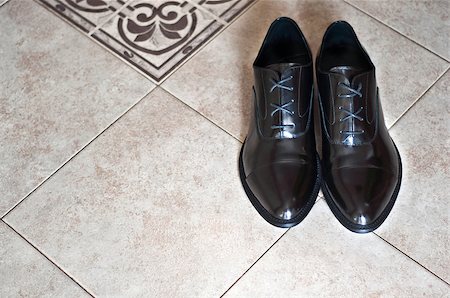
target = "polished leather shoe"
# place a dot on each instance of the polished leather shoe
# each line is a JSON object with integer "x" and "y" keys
{"x": 361, "y": 165}
{"x": 278, "y": 164}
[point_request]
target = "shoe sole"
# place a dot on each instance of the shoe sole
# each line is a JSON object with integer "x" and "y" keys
{"x": 377, "y": 223}
{"x": 269, "y": 217}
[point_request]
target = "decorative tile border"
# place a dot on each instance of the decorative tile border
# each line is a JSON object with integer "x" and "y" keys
{"x": 154, "y": 36}
{"x": 85, "y": 14}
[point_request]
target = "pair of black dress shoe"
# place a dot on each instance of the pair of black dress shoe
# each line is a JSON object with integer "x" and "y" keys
{"x": 360, "y": 169}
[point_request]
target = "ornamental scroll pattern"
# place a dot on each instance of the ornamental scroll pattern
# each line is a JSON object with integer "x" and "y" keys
{"x": 157, "y": 29}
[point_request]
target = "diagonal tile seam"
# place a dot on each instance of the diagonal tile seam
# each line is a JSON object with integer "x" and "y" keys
{"x": 202, "y": 115}
{"x": 236, "y": 138}
{"x": 100, "y": 25}
{"x": 224, "y": 24}
{"x": 76, "y": 153}
{"x": 60, "y": 18}
{"x": 115, "y": 13}
{"x": 228, "y": 24}
{"x": 206, "y": 43}
{"x": 412, "y": 259}
{"x": 209, "y": 13}
{"x": 378, "y": 236}
{"x": 3, "y": 3}
{"x": 84, "y": 34}
{"x": 262, "y": 255}
{"x": 48, "y": 258}
{"x": 215, "y": 36}
{"x": 89, "y": 36}
{"x": 392, "y": 28}
{"x": 259, "y": 258}
{"x": 419, "y": 97}
{"x": 215, "y": 18}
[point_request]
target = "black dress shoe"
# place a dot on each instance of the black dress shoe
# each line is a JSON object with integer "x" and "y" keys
{"x": 361, "y": 165}
{"x": 279, "y": 167}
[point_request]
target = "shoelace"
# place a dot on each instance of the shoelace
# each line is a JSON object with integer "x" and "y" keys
{"x": 350, "y": 113}
{"x": 283, "y": 107}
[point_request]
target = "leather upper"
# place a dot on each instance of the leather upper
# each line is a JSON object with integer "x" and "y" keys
{"x": 360, "y": 161}
{"x": 279, "y": 156}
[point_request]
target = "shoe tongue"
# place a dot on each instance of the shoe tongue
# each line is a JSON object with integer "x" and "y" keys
{"x": 348, "y": 71}
{"x": 281, "y": 67}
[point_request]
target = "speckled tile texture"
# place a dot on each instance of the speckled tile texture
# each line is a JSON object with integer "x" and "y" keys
{"x": 121, "y": 125}
{"x": 219, "y": 86}
{"x": 419, "y": 223}
{"x": 321, "y": 258}
{"x": 55, "y": 97}
{"x": 426, "y": 22}
{"x": 142, "y": 209}
{"x": 24, "y": 272}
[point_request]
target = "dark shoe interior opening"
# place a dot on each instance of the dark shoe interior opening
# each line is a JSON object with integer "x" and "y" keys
{"x": 340, "y": 47}
{"x": 284, "y": 43}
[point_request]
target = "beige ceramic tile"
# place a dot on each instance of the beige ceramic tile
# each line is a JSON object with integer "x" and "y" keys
{"x": 217, "y": 81}
{"x": 225, "y": 9}
{"x": 59, "y": 90}
{"x": 419, "y": 222}
{"x": 425, "y": 21}
{"x": 24, "y": 272}
{"x": 319, "y": 258}
{"x": 153, "y": 207}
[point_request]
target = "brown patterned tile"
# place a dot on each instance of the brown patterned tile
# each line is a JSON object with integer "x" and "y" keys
{"x": 225, "y": 9}
{"x": 85, "y": 14}
{"x": 156, "y": 36}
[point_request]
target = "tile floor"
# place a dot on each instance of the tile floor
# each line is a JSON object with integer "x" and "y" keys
{"x": 107, "y": 121}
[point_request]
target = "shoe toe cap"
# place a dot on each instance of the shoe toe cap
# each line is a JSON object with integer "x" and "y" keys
{"x": 362, "y": 194}
{"x": 283, "y": 189}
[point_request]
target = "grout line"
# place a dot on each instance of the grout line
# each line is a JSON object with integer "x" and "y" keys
{"x": 130, "y": 2}
{"x": 198, "y": 50}
{"x": 224, "y": 24}
{"x": 208, "y": 41}
{"x": 50, "y": 260}
{"x": 177, "y": 66}
{"x": 4, "y": 2}
{"x": 75, "y": 154}
{"x": 203, "y": 116}
{"x": 91, "y": 39}
{"x": 114, "y": 14}
{"x": 411, "y": 258}
{"x": 393, "y": 29}
{"x": 418, "y": 98}
{"x": 65, "y": 20}
{"x": 248, "y": 269}
{"x": 204, "y": 10}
